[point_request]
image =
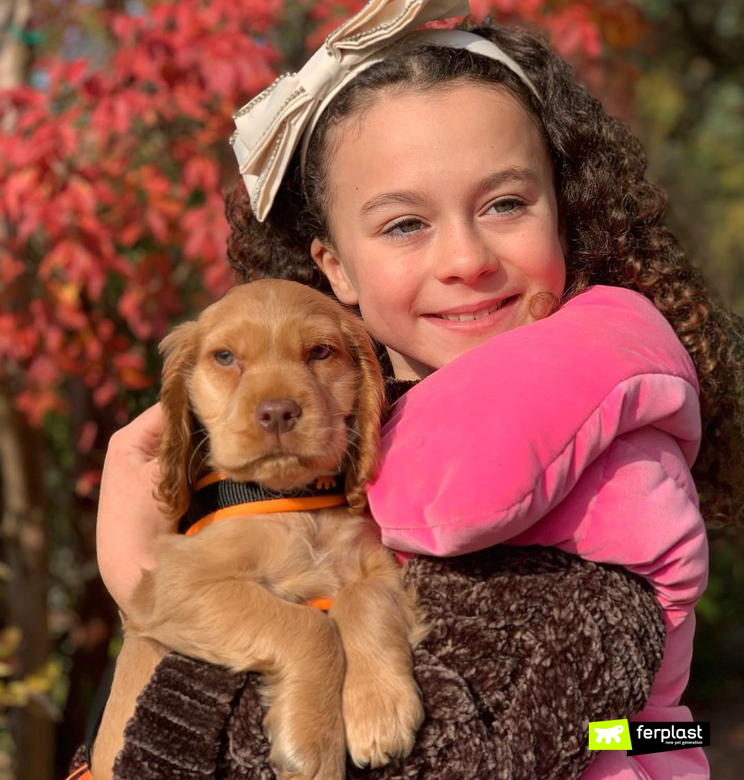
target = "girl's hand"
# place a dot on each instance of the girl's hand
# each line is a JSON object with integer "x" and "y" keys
{"x": 129, "y": 520}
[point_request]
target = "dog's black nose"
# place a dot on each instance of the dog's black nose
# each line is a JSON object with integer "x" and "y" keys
{"x": 278, "y": 415}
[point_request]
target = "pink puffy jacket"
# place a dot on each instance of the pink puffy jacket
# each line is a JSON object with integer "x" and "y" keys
{"x": 577, "y": 432}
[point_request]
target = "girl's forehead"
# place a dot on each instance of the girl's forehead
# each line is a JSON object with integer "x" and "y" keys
{"x": 441, "y": 135}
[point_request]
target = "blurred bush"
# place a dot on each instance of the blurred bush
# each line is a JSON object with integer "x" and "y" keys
{"x": 689, "y": 110}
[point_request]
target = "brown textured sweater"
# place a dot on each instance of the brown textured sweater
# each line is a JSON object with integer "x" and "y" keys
{"x": 527, "y": 646}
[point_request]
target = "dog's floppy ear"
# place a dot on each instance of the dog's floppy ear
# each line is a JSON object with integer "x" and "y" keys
{"x": 367, "y": 412}
{"x": 176, "y": 442}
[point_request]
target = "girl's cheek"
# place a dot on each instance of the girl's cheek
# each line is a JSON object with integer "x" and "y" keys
{"x": 388, "y": 289}
{"x": 548, "y": 257}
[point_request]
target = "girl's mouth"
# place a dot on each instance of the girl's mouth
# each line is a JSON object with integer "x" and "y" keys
{"x": 473, "y": 320}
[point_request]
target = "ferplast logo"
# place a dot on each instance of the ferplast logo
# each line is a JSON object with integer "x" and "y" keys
{"x": 639, "y": 738}
{"x": 609, "y": 735}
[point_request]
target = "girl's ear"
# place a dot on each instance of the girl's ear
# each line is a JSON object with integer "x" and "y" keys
{"x": 365, "y": 444}
{"x": 176, "y": 442}
{"x": 329, "y": 263}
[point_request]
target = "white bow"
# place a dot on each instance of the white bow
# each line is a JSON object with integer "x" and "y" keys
{"x": 270, "y": 127}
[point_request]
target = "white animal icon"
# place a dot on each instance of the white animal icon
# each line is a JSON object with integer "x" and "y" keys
{"x": 605, "y": 735}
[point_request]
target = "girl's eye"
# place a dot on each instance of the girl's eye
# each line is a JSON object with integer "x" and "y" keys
{"x": 405, "y": 227}
{"x": 506, "y": 205}
{"x": 224, "y": 358}
{"x": 408, "y": 227}
{"x": 319, "y": 353}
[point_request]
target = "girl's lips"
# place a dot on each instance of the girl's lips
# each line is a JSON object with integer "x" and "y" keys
{"x": 473, "y": 325}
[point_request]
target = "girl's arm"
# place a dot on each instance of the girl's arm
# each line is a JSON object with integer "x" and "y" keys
{"x": 486, "y": 446}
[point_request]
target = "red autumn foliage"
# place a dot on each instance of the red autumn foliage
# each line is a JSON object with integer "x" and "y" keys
{"x": 111, "y": 214}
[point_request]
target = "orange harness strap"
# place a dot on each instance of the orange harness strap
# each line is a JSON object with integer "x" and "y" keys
{"x": 267, "y": 507}
{"x": 320, "y": 603}
{"x": 81, "y": 773}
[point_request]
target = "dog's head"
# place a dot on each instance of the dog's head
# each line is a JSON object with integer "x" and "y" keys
{"x": 275, "y": 383}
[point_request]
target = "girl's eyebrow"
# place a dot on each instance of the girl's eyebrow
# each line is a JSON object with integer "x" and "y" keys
{"x": 514, "y": 173}
{"x": 404, "y": 197}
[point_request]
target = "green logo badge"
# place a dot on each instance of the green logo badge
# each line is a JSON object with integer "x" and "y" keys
{"x": 609, "y": 735}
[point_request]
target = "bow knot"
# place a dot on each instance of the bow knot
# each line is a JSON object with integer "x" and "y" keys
{"x": 324, "y": 69}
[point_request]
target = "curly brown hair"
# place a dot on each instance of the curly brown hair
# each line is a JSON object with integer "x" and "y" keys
{"x": 612, "y": 219}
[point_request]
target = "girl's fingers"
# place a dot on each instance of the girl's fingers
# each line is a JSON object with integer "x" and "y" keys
{"x": 141, "y": 436}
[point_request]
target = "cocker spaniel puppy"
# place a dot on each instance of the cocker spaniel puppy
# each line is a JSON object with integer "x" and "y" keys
{"x": 273, "y": 395}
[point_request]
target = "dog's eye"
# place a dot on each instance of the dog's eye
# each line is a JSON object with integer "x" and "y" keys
{"x": 320, "y": 353}
{"x": 224, "y": 358}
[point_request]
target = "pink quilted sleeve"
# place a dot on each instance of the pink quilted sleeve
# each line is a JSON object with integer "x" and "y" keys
{"x": 486, "y": 446}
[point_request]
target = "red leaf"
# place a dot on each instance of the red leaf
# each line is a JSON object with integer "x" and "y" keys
{"x": 10, "y": 268}
{"x": 87, "y": 436}
{"x": 104, "y": 394}
{"x": 573, "y": 30}
{"x": 88, "y": 481}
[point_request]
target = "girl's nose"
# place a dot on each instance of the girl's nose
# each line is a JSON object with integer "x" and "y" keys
{"x": 464, "y": 255}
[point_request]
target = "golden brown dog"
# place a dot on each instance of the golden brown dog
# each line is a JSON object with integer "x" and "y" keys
{"x": 277, "y": 384}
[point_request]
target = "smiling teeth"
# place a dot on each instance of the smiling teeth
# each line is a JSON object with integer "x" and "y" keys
{"x": 469, "y": 317}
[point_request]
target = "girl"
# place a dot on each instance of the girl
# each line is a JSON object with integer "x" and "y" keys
{"x": 452, "y": 191}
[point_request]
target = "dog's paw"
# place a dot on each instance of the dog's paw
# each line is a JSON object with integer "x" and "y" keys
{"x": 306, "y": 745}
{"x": 381, "y": 717}
{"x": 304, "y": 722}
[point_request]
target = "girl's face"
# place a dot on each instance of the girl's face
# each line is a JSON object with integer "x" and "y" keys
{"x": 445, "y": 219}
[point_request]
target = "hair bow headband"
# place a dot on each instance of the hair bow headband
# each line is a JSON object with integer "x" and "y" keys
{"x": 272, "y": 125}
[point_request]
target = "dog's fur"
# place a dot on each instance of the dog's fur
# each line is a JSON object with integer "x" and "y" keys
{"x": 233, "y": 593}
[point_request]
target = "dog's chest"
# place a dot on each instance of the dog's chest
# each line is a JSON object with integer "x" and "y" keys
{"x": 313, "y": 561}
